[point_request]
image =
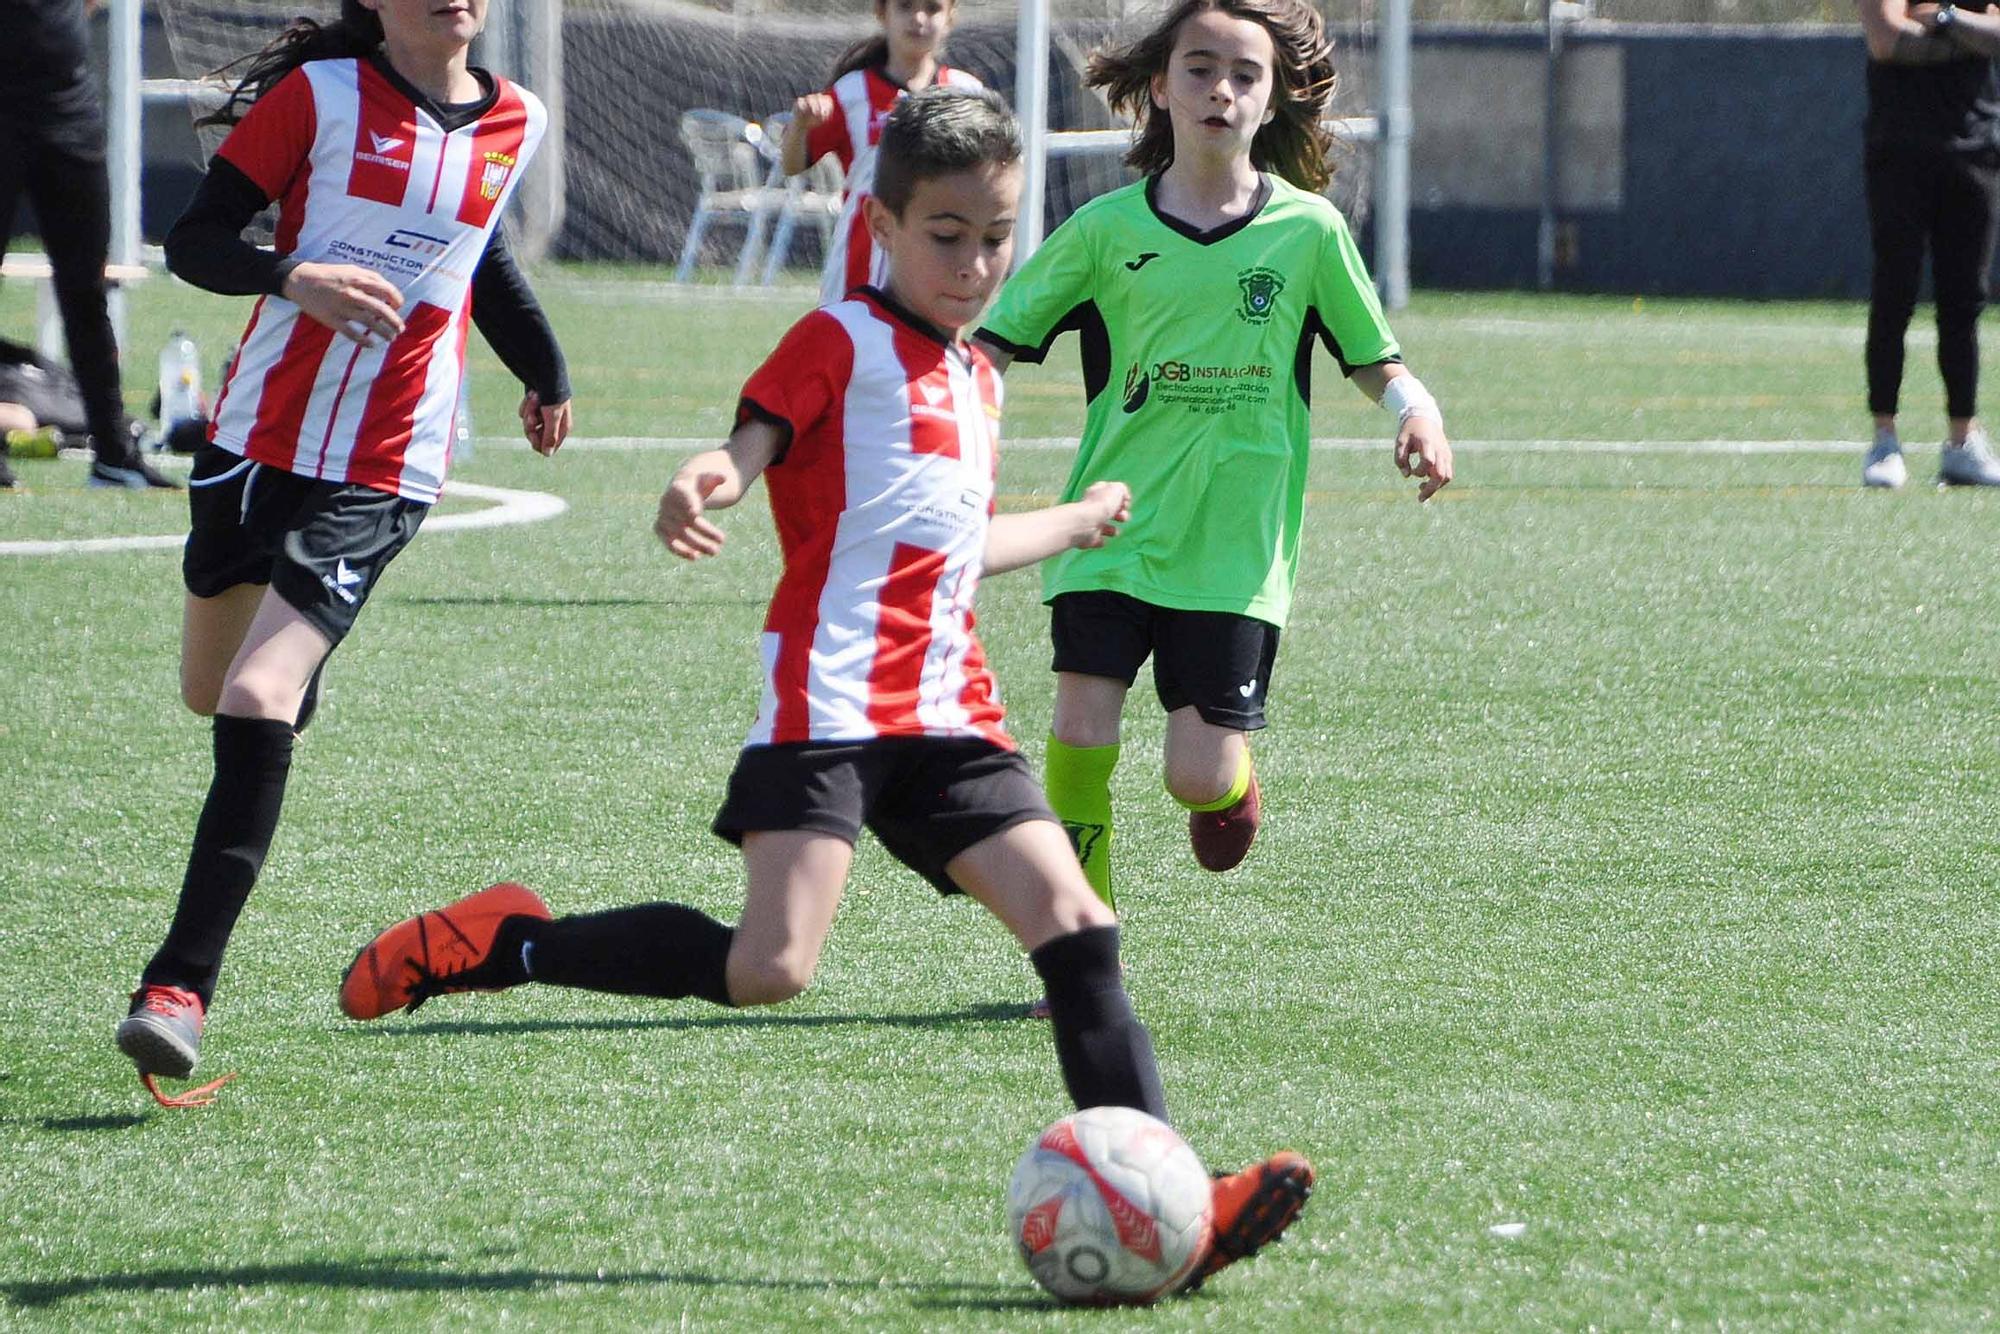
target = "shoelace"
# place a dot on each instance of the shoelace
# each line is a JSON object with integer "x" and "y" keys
{"x": 170, "y": 1001}
{"x": 195, "y": 1097}
{"x": 431, "y": 983}
{"x": 428, "y": 984}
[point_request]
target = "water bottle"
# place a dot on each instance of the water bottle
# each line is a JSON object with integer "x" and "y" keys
{"x": 180, "y": 383}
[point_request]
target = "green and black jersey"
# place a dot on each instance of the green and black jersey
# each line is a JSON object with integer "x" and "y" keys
{"x": 1197, "y": 351}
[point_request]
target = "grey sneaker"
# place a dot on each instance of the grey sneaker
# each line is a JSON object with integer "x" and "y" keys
{"x": 133, "y": 474}
{"x": 162, "y": 1034}
{"x": 1884, "y": 466}
{"x": 123, "y": 463}
{"x": 1969, "y": 464}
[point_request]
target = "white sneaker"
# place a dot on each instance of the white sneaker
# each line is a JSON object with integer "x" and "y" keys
{"x": 1884, "y": 464}
{"x": 1969, "y": 464}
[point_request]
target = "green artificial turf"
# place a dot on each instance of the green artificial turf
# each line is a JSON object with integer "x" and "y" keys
{"x": 1629, "y": 873}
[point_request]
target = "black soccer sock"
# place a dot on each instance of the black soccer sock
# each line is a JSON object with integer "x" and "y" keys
{"x": 1106, "y": 1053}
{"x": 253, "y": 756}
{"x": 653, "y": 949}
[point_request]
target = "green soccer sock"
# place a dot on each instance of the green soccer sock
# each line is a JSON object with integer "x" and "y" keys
{"x": 1078, "y": 781}
{"x": 1229, "y": 798}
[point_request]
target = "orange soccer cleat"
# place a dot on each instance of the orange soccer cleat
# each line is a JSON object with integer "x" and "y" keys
{"x": 449, "y": 949}
{"x": 1253, "y": 1208}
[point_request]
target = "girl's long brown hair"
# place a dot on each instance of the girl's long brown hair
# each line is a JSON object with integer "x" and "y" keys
{"x": 357, "y": 32}
{"x": 1294, "y": 145}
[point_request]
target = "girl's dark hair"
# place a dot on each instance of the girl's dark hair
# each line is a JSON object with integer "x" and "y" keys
{"x": 870, "y": 50}
{"x": 357, "y": 32}
{"x": 1294, "y": 145}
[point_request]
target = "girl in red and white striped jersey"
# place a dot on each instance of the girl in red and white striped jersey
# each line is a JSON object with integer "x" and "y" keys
{"x": 390, "y": 160}
{"x": 846, "y": 120}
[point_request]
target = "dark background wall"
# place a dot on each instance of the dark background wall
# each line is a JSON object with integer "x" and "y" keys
{"x": 1715, "y": 161}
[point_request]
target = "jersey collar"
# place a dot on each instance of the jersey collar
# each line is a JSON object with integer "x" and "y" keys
{"x": 905, "y": 316}
{"x": 880, "y": 69}
{"x": 449, "y": 115}
{"x": 1213, "y": 234}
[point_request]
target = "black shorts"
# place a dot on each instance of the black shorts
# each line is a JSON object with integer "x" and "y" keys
{"x": 1217, "y": 661}
{"x": 927, "y": 798}
{"x": 321, "y": 545}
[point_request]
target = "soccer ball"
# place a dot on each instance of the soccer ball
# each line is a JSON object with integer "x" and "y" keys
{"x": 1110, "y": 1207}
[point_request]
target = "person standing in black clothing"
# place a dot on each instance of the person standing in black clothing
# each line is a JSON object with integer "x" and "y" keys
{"x": 52, "y": 149}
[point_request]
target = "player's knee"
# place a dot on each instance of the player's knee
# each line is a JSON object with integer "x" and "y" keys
{"x": 1083, "y": 913}
{"x": 1960, "y": 313}
{"x": 1084, "y": 732}
{"x": 769, "y": 981}
{"x": 1895, "y": 310}
{"x": 201, "y": 697}
{"x": 257, "y": 696}
{"x": 1195, "y": 783}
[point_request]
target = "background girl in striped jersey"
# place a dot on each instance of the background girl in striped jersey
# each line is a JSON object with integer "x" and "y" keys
{"x": 846, "y": 120}
{"x": 390, "y": 159}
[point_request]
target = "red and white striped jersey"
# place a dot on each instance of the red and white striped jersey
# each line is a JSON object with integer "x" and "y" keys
{"x": 862, "y": 99}
{"x": 363, "y": 175}
{"x": 882, "y": 501}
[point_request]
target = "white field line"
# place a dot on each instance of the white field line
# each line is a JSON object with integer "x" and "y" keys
{"x": 664, "y": 292}
{"x": 1674, "y": 324}
{"x": 509, "y": 507}
{"x": 1328, "y": 444}
{"x": 1674, "y": 327}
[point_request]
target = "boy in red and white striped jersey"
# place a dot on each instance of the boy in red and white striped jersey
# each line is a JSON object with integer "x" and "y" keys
{"x": 390, "y": 160}
{"x": 846, "y": 120}
{"x": 875, "y": 426}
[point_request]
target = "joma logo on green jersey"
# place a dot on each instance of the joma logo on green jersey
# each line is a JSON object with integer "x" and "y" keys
{"x": 1260, "y": 293}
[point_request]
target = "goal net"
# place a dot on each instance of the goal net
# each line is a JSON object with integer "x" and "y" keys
{"x": 621, "y": 183}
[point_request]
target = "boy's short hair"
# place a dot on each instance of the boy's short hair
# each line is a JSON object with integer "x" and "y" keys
{"x": 937, "y": 132}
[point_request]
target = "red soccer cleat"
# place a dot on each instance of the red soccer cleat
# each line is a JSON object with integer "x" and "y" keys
{"x": 1222, "y": 838}
{"x": 1253, "y": 1208}
{"x": 436, "y": 952}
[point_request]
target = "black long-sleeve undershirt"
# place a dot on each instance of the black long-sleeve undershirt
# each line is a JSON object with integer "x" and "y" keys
{"x": 206, "y": 247}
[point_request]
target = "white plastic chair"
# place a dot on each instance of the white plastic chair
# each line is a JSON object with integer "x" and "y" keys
{"x": 729, "y": 153}
{"x": 813, "y": 194}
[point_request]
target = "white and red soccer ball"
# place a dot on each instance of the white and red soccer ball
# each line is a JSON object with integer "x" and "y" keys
{"x": 1110, "y": 1207}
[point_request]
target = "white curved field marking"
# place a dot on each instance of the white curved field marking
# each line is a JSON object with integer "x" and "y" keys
{"x": 509, "y": 507}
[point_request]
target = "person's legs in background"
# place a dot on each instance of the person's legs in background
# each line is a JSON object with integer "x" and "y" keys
{"x": 67, "y": 182}
{"x": 1899, "y": 218}
{"x": 1961, "y": 259}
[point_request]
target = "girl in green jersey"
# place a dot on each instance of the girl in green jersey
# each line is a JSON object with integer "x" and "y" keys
{"x": 1197, "y": 293}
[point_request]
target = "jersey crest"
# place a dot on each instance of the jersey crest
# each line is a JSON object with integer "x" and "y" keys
{"x": 494, "y": 177}
{"x": 1260, "y": 288}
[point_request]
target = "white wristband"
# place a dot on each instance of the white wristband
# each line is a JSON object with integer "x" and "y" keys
{"x": 1406, "y": 397}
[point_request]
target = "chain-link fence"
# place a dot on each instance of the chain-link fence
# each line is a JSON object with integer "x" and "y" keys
{"x": 1640, "y": 11}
